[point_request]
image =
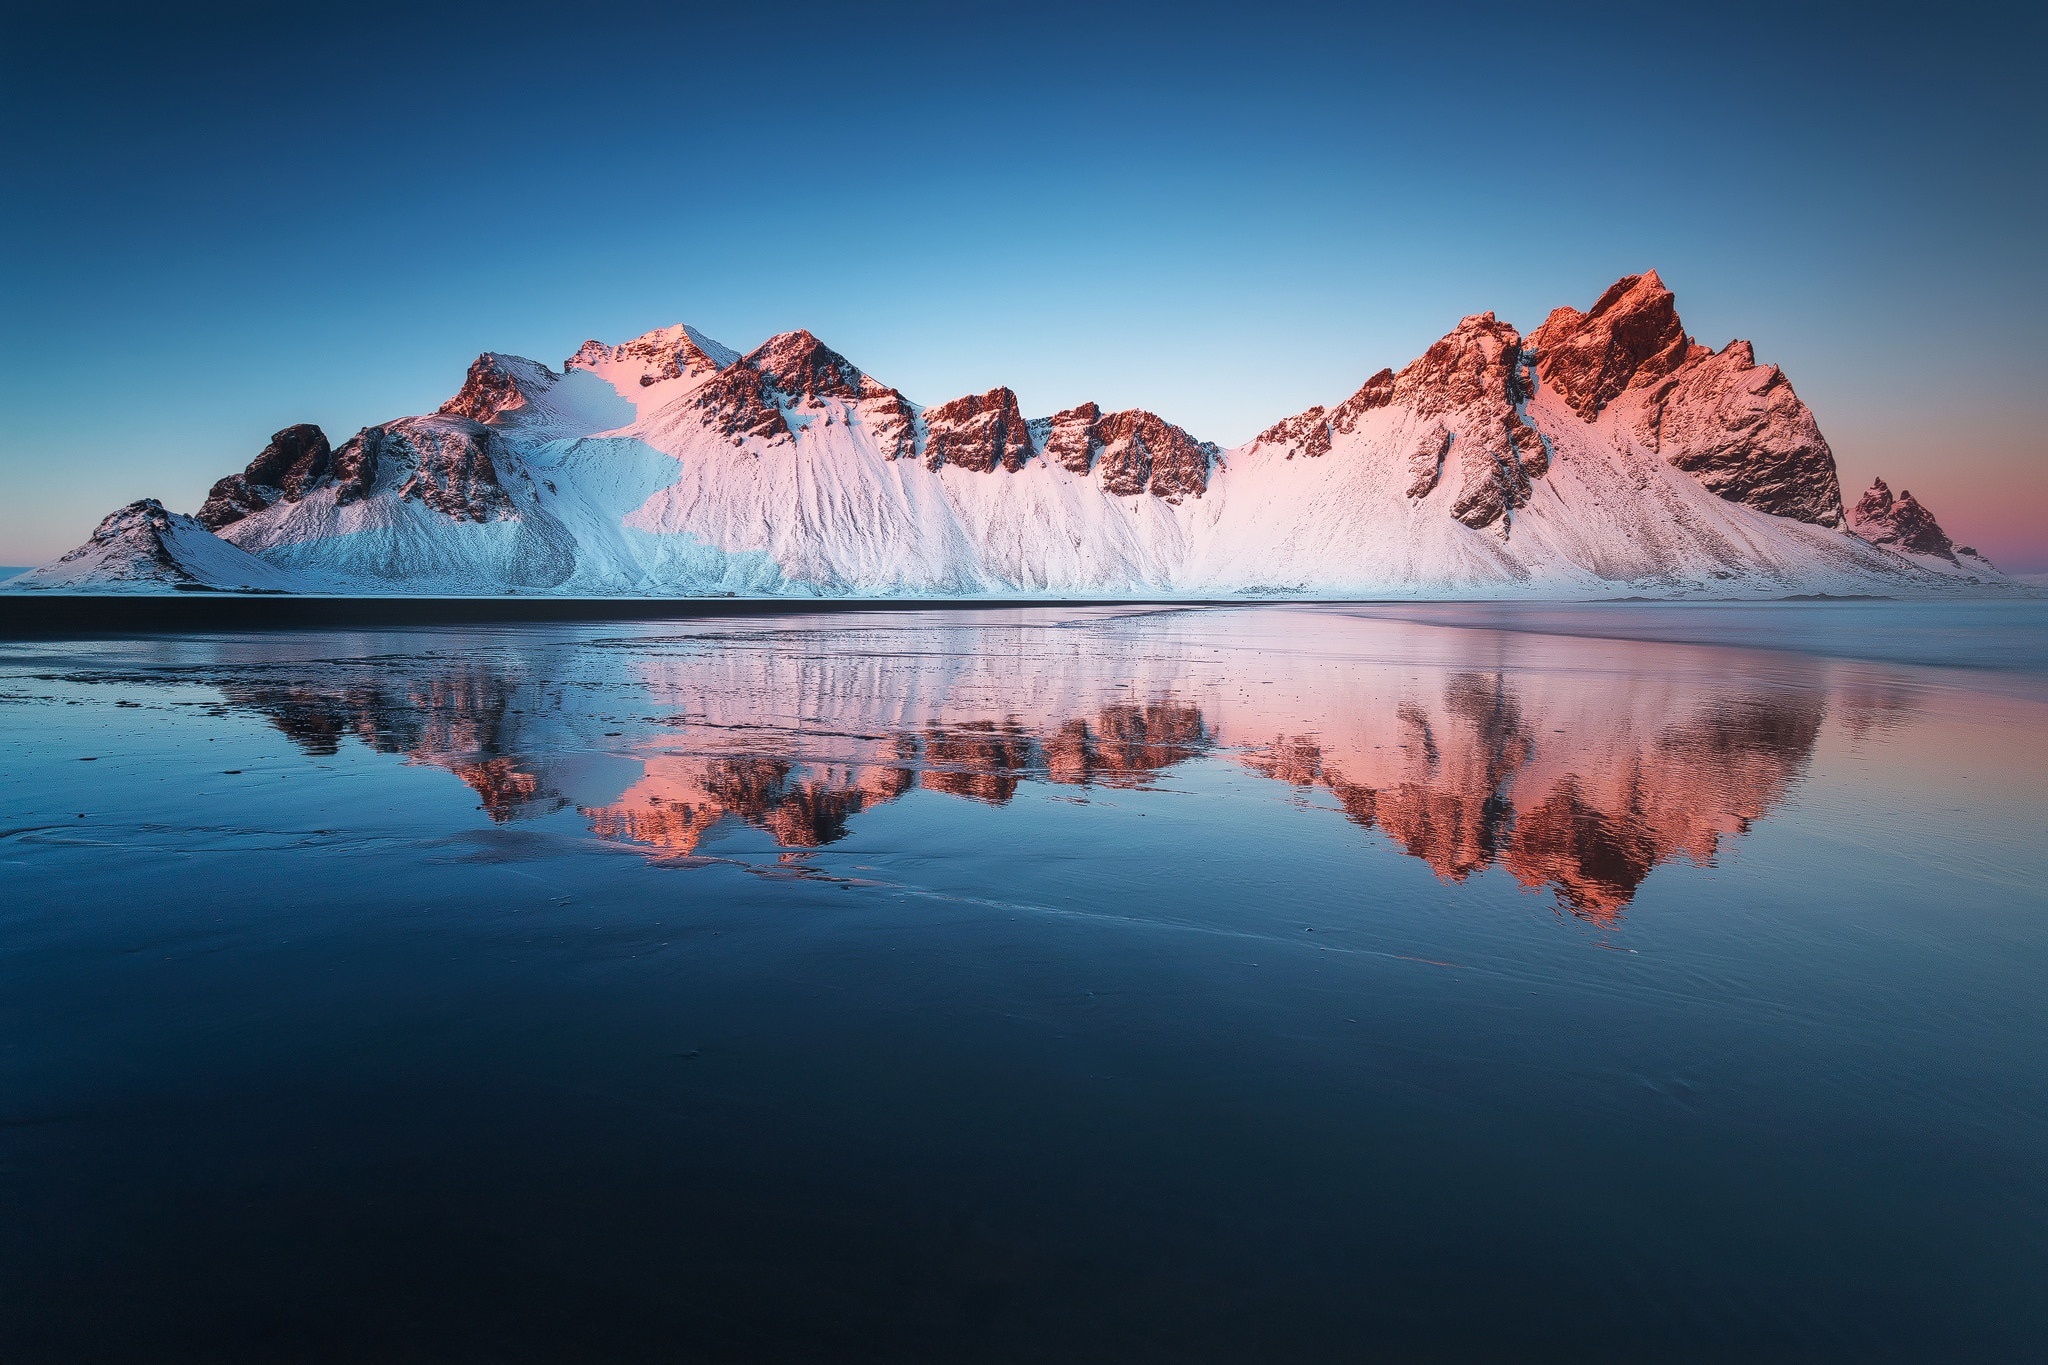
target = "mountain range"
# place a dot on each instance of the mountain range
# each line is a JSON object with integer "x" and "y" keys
{"x": 1607, "y": 453}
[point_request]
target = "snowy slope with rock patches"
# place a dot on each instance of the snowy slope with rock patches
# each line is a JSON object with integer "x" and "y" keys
{"x": 144, "y": 548}
{"x": 1605, "y": 454}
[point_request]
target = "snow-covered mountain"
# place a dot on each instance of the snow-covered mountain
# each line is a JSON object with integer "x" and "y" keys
{"x": 1605, "y": 454}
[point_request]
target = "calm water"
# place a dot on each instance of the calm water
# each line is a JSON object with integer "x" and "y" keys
{"x": 1255, "y": 984}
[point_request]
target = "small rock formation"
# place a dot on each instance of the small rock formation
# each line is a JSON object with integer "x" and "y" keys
{"x": 144, "y": 547}
{"x": 499, "y": 384}
{"x": 140, "y": 532}
{"x": 1425, "y": 459}
{"x": 1306, "y": 434}
{"x": 1901, "y": 523}
{"x": 296, "y": 459}
{"x": 1377, "y": 392}
{"x": 978, "y": 432}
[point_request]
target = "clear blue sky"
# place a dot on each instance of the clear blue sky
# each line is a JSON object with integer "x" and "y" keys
{"x": 220, "y": 221}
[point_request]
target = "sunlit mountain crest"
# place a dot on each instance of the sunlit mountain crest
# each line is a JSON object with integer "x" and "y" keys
{"x": 1605, "y": 453}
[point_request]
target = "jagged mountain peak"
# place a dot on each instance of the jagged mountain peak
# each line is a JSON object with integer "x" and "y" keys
{"x": 801, "y": 368}
{"x": 1902, "y": 521}
{"x": 498, "y": 384}
{"x": 1136, "y": 451}
{"x": 675, "y": 352}
{"x": 1631, "y": 336}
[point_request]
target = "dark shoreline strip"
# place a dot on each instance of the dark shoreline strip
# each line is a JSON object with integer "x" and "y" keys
{"x": 62, "y": 615}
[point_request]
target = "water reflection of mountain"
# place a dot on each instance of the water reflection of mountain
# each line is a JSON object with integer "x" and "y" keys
{"x": 1579, "y": 781}
{"x": 1475, "y": 781}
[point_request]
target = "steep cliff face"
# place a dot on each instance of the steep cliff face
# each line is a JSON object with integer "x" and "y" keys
{"x": 891, "y": 417}
{"x": 1135, "y": 451}
{"x": 1738, "y": 428}
{"x": 1630, "y": 337}
{"x": 1607, "y": 453}
{"x": 981, "y": 432}
{"x": 296, "y": 459}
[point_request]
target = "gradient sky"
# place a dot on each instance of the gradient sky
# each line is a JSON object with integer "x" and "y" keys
{"x": 219, "y": 221}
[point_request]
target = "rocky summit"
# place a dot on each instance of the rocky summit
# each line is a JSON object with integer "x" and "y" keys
{"x": 1607, "y": 453}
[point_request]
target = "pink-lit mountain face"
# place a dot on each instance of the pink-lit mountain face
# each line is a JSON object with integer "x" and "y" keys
{"x": 1607, "y": 453}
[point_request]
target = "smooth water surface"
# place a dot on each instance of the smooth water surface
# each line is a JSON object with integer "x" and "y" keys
{"x": 1284, "y": 983}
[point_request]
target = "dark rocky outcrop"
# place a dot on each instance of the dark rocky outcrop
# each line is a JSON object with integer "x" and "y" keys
{"x": 1377, "y": 392}
{"x": 979, "y": 432}
{"x": 798, "y": 368}
{"x": 737, "y": 404}
{"x": 1425, "y": 458}
{"x": 1471, "y": 381}
{"x": 1137, "y": 451}
{"x": 1070, "y": 439}
{"x": 296, "y": 459}
{"x": 1306, "y": 434}
{"x": 890, "y": 417}
{"x": 447, "y": 463}
{"x": 790, "y": 370}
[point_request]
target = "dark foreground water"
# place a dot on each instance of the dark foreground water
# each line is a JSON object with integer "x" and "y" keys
{"x": 1258, "y": 984}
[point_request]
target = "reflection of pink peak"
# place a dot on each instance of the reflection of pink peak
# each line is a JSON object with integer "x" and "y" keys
{"x": 1584, "y": 800}
{"x": 1579, "y": 780}
{"x": 681, "y": 799}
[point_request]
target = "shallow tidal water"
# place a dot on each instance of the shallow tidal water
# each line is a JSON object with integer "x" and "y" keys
{"x": 1264, "y": 983}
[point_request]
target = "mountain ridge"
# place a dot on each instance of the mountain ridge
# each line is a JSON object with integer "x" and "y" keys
{"x": 1606, "y": 453}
